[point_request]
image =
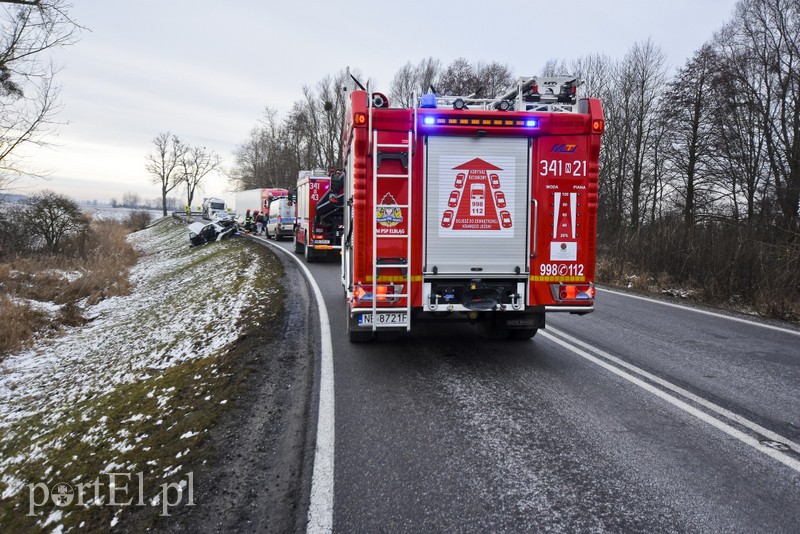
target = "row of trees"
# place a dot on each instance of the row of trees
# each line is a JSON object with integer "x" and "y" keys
{"x": 134, "y": 200}
{"x": 719, "y": 139}
{"x": 700, "y": 165}
{"x": 310, "y": 135}
{"x": 715, "y": 140}
{"x": 174, "y": 163}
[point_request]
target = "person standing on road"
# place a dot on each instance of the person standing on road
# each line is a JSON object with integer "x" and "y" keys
{"x": 248, "y": 221}
{"x": 259, "y": 223}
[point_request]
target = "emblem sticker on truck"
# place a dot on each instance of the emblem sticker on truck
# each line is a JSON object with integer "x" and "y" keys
{"x": 389, "y": 216}
{"x": 476, "y": 198}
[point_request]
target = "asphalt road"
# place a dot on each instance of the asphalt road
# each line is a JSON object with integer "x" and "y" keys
{"x": 640, "y": 417}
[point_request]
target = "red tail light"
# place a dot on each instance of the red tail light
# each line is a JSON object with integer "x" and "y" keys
{"x": 573, "y": 292}
{"x": 360, "y": 119}
{"x": 598, "y": 126}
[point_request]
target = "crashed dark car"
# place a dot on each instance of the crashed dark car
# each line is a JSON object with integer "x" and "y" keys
{"x": 202, "y": 233}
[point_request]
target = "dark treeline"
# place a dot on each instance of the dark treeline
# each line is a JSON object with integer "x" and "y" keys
{"x": 310, "y": 135}
{"x": 700, "y": 165}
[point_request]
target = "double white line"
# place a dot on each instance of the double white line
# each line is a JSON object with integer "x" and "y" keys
{"x": 710, "y": 413}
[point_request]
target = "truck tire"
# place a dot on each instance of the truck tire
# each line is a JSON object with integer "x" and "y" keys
{"x": 492, "y": 328}
{"x": 356, "y": 336}
{"x": 524, "y": 333}
{"x": 310, "y": 253}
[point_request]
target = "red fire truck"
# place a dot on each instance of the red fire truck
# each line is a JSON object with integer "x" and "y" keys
{"x": 318, "y": 230}
{"x": 482, "y": 210}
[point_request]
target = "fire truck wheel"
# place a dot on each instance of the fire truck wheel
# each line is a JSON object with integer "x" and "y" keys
{"x": 310, "y": 255}
{"x": 357, "y": 336}
{"x": 493, "y": 330}
{"x": 525, "y": 333}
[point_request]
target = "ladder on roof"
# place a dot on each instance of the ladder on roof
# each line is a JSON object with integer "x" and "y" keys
{"x": 403, "y": 152}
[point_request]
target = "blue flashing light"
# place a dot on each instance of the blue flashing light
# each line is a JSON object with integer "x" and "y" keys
{"x": 532, "y": 123}
{"x": 429, "y": 120}
{"x": 428, "y": 100}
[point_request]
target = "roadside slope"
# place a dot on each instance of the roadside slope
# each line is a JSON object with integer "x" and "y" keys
{"x": 143, "y": 388}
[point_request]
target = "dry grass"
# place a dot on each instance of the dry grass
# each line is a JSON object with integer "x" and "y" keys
{"x": 96, "y": 269}
{"x": 718, "y": 264}
{"x": 18, "y": 324}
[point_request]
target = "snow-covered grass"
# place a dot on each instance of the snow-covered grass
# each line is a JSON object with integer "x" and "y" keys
{"x": 137, "y": 387}
{"x": 106, "y": 213}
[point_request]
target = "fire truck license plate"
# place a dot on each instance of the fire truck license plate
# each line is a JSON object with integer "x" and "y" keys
{"x": 382, "y": 318}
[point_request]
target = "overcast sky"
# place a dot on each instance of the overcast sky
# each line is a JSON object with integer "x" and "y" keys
{"x": 206, "y": 70}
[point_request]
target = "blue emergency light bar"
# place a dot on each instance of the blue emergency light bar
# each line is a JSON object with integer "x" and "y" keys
{"x": 433, "y": 120}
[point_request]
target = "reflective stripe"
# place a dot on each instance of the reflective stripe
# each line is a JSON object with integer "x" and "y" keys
{"x": 387, "y": 278}
{"x": 558, "y": 278}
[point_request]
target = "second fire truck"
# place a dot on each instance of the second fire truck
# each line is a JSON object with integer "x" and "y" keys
{"x": 481, "y": 210}
{"x": 318, "y": 230}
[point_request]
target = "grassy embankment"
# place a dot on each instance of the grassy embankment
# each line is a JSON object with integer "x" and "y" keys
{"x": 137, "y": 388}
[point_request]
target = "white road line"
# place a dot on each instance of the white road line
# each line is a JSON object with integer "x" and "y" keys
{"x": 706, "y": 418}
{"x": 680, "y": 391}
{"x": 320, "y": 509}
{"x": 704, "y": 312}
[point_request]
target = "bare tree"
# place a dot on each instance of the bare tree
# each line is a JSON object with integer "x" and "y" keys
{"x": 403, "y": 86}
{"x": 324, "y": 113}
{"x": 274, "y": 152}
{"x": 740, "y": 155}
{"x": 493, "y": 78}
{"x": 130, "y": 200}
{"x": 163, "y": 164}
{"x": 197, "y": 163}
{"x": 686, "y": 107}
{"x": 555, "y": 67}
{"x": 250, "y": 168}
{"x": 643, "y": 75}
{"x": 413, "y": 79}
{"x": 56, "y": 217}
{"x": 458, "y": 78}
{"x": 596, "y": 70}
{"x": 28, "y": 93}
{"x": 766, "y": 33}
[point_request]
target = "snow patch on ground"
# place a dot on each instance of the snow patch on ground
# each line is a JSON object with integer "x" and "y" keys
{"x": 163, "y": 322}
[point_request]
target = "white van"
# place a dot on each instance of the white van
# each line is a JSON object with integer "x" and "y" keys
{"x": 281, "y": 218}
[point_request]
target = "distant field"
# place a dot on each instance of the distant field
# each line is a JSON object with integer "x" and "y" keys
{"x": 101, "y": 213}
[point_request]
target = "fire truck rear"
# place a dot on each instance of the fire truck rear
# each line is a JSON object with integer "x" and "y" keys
{"x": 482, "y": 210}
{"x": 318, "y": 229}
